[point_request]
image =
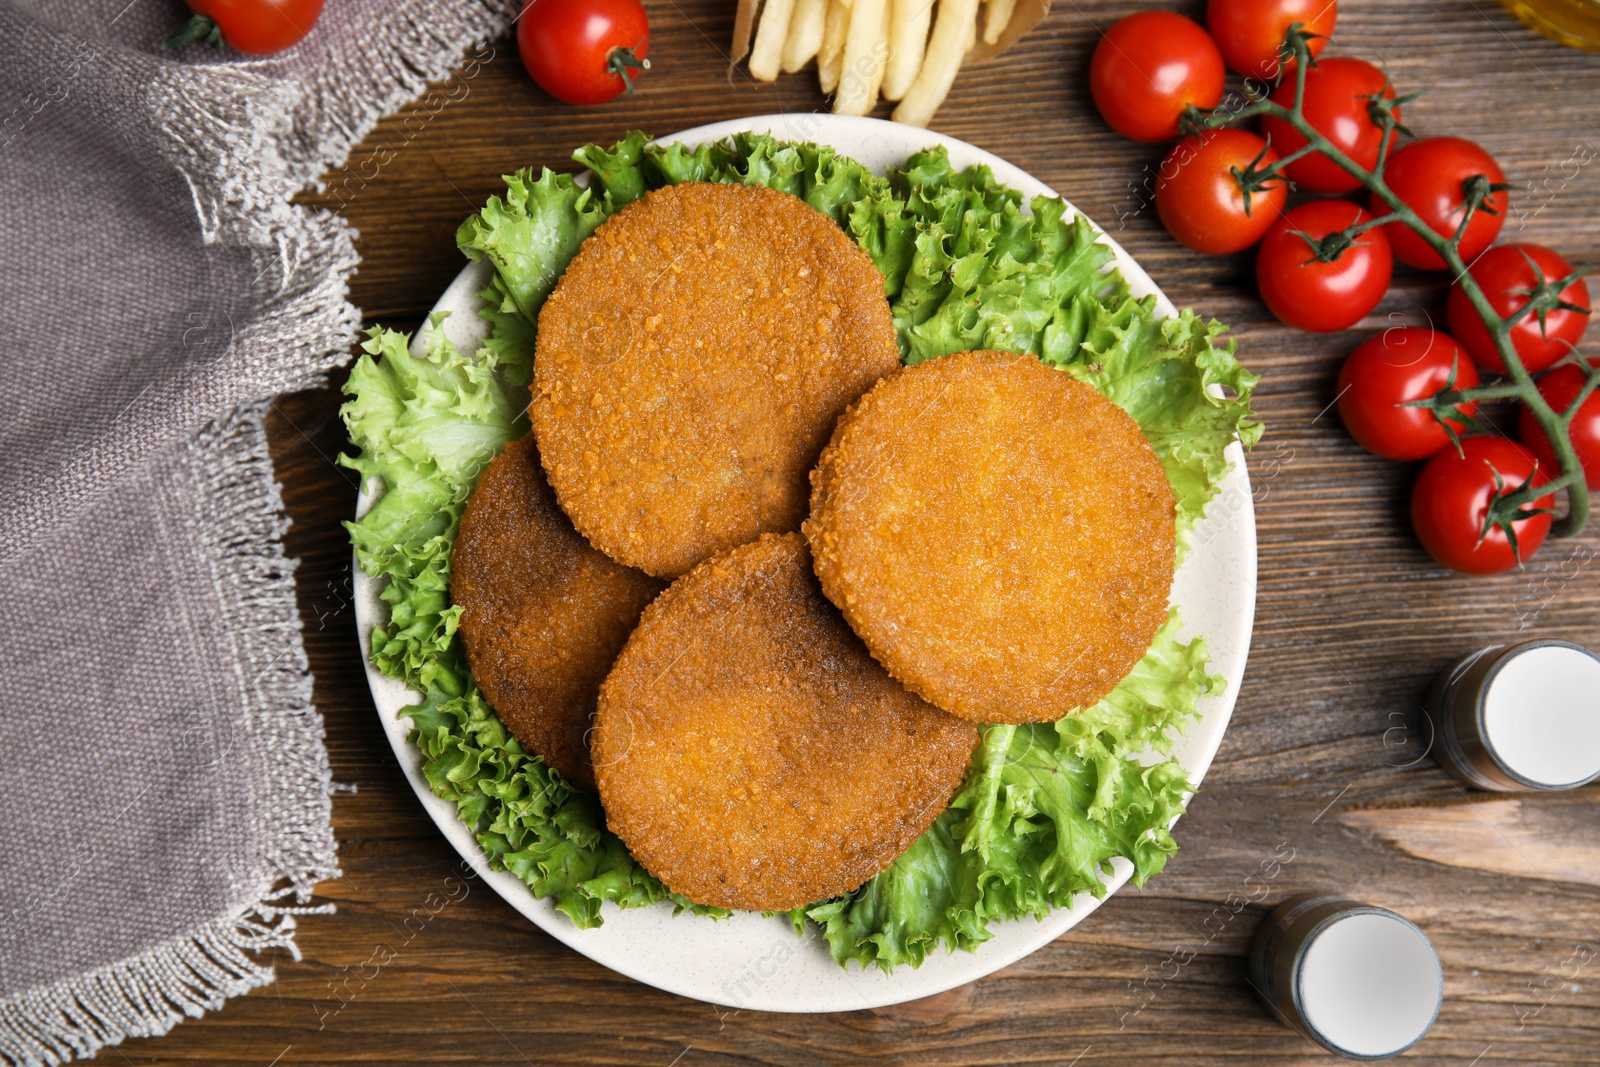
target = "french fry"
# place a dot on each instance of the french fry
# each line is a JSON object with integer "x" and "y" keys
{"x": 835, "y": 25}
{"x": 805, "y": 33}
{"x": 954, "y": 27}
{"x": 864, "y": 53}
{"x": 996, "y": 15}
{"x": 883, "y": 57}
{"x": 908, "y": 40}
{"x": 830, "y": 54}
{"x": 828, "y": 73}
{"x": 767, "y": 53}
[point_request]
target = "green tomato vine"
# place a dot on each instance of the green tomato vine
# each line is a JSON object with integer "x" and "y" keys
{"x": 1511, "y": 504}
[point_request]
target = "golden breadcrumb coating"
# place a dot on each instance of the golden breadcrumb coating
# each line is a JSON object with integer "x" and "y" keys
{"x": 544, "y": 614}
{"x": 749, "y": 751}
{"x": 1000, "y": 535}
{"x": 690, "y": 366}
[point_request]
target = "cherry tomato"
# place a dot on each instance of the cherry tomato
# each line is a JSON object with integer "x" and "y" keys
{"x": 1388, "y": 370}
{"x": 1200, "y": 201}
{"x": 1451, "y": 501}
{"x": 1339, "y": 95}
{"x": 1506, "y": 278}
{"x": 1560, "y": 388}
{"x": 1250, "y": 33}
{"x": 1147, "y": 67}
{"x": 1431, "y": 176}
{"x": 1312, "y": 294}
{"x": 254, "y": 27}
{"x": 584, "y": 51}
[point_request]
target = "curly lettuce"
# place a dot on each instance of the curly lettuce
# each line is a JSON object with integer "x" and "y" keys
{"x": 425, "y": 428}
{"x": 1043, "y": 810}
{"x": 967, "y": 263}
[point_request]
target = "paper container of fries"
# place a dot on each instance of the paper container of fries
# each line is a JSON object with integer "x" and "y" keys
{"x": 903, "y": 50}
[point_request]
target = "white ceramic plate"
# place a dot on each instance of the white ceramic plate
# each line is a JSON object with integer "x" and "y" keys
{"x": 757, "y": 963}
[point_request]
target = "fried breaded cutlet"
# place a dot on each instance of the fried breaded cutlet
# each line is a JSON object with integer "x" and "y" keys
{"x": 750, "y": 752}
{"x": 1000, "y": 535}
{"x": 544, "y": 614}
{"x": 691, "y": 363}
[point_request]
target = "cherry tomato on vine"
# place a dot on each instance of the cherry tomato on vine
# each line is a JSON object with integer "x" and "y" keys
{"x": 1432, "y": 177}
{"x": 1320, "y": 294}
{"x": 584, "y": 51}
{"x": 1389, "y": 370}
{"x": 1250, "y": 33}
{"x": 1560, "y": 388}
{"x": 1338, "y": 103}
{"x": 254, "y": 27}
{"x": 1147, "y": 67}
{"x": 1201, "y": 201}
{"x": 1450, "y": 506}
{"x": 1512, "y": 277}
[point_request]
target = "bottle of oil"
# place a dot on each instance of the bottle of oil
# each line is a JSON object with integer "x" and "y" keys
{"x": 1573, "y": 22}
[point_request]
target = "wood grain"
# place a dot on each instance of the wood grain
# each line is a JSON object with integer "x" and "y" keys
{"x": 1353, "y": 622}
{"x": 1535, "y": 836}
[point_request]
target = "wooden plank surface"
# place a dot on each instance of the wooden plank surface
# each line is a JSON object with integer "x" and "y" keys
{"x": 1353, "y": 621}
{"x": 1510, "y": 834}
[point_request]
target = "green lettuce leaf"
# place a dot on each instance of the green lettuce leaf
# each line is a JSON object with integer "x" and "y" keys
{"x": 967, "y": 263}
{"x": 1042, "y": 812}
{"x": 532, "y": 233}
{"x": 615, "y": 171}
{"x": 425, "y": 429}
{"x": 1190, "y": 397}
{"x": 983, "y": 274}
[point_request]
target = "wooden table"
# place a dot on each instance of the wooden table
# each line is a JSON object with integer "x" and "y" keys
{"x": 1353, "y": 621}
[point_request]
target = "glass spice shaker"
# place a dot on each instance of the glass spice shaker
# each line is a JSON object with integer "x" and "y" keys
{"x": 1359, "y": 980}
{"x": 1517, "y": 718}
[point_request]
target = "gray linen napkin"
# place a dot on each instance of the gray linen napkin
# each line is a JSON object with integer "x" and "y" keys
{"x": 165, "y": 806}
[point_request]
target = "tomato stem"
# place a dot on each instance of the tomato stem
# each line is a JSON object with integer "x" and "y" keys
{"x": 1254, "y": 178}
{"x": 1506, "y": 391}
{"x": 1511, "y": 504}
{"x": 1329, "y": 248}
{"x": 1521, "y": 385}
{"x": 198, "y": 28}
{"x": 1508, "y": 507}
{"x": 622, "y": 61}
